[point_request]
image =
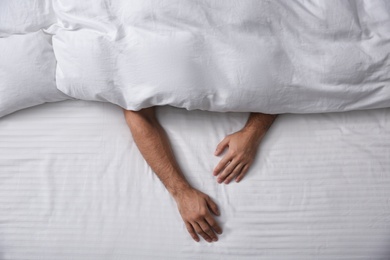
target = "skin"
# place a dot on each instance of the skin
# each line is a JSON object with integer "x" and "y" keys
{"x": 242, "y": 147}
{"x": 196, "y": 208}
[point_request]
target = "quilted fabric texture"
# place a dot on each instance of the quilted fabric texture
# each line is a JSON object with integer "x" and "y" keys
{"x": 218, "y": 55}
{"x": 27, "y": 61}
{"x": 227, "y": 55}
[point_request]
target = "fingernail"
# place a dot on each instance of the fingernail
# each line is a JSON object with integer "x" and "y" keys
{"x": 208, "y": 240}
{"x": 215, "y": 239}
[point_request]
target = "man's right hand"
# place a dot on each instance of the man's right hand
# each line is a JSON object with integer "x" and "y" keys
{"x": 195, "y": 208}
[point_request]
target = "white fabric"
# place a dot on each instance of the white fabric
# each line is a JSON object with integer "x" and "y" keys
{"x": 226, "y": 55}
{"x": 74, "y": 186}
{"x": 27, "y": 72}
{"x": 27, "y": 61}
{"x": 23, "y": 16}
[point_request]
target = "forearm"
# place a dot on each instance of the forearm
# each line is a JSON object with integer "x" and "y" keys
{"x": 194, "y": 206}
{"x": 154, "y": 145}
{"x": 259, "y": 123}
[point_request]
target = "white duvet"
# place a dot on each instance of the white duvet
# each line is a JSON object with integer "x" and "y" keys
{"x": 226, "y": 55}
{"x": 218, "y": 55}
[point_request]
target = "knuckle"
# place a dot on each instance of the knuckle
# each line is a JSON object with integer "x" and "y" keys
{"x": 233, "y": 150}
{"x": 200, "y": 215}
{"x": 242, "y": 157}
{"x": 230, "y": 177}
{"x": 188, "y": 229}
{"x": 228, "y": 169}
{"x": 202, "y": 233}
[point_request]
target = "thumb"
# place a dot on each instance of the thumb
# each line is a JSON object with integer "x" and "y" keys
{"x": 222, "y": 145}
{"x": 212, "y": 206}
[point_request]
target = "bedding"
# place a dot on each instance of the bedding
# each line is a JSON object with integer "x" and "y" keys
{"x": 27, "y": 61}
{"x": 21, "y": 16}
{"x": 259, "y": 56}
{"x": 74, "y": 186}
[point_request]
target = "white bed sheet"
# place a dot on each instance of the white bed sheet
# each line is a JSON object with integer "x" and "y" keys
{"x": 73, "y": 185}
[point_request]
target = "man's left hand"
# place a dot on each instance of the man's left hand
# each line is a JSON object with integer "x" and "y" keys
{"x": 242, "y": 147}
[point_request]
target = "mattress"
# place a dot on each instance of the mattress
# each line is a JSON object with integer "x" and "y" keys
{"x": 75, "y": 186}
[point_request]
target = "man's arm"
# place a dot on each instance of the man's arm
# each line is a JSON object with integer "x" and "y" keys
{"x": 242, "y": 147}
{"x": 194, "y": 206}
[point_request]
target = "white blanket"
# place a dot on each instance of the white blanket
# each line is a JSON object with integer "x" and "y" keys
{"x": 219, "y": 55}
{"x": 226, "y": 55}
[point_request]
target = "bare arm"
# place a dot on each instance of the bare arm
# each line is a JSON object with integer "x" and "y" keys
{"x": 194, "y": 206}
{"x": 242, "y": 147}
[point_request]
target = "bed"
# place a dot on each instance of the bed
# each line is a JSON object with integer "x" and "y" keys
{"x": 74, "y": 186}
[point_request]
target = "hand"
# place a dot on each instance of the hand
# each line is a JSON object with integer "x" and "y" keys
{"x": 242, "y": 147}
{"x": 195, "y": 207}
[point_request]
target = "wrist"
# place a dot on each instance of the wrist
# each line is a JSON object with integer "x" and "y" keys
{"x": 254, "y": 133}
{"x": 179, "y": 190}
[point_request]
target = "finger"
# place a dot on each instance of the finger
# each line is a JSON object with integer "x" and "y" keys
{"x": 214, "y": 224}
{"x": 234, "y": 173}
{"x": 212, "y": 206}
{"x": 242, "y": 173}
{"x": 221, "y": 146}
{"x": 222, "y": 163}
{"x": 208, "y": 230}
{"x": 227, "y": 171}
{"x": 200, "y": 231}
{"x": 191, "y": 230}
